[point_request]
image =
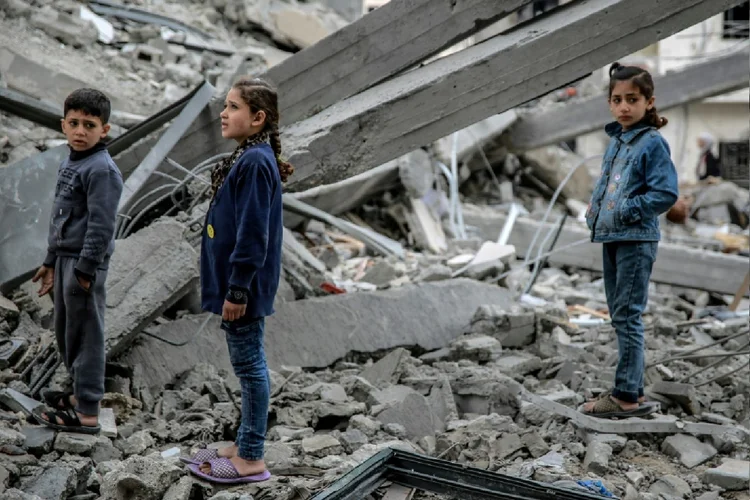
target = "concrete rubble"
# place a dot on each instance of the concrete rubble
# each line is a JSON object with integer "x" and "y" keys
{"x": 444, "y": 347}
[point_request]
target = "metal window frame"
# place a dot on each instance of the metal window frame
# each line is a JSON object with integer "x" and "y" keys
{"x": 442, "y": 477}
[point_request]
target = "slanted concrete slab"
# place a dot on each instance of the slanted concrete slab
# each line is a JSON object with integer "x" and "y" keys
{"x": 316, "y": 332}
{"x": 149, "y": 272}
{"x": 675, "y": 264}
{"x": 394, "y": 38}
{"x": 732, "y": 475}
{"x": 456, "y": 91}
{"x": 35, "y": 80}
{"x": 695, "y": 82}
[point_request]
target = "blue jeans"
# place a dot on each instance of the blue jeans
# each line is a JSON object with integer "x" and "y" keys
{"x": 245, "y": 342}
{"x": 627, "y": 269}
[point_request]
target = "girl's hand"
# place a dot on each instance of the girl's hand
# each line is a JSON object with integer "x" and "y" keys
{"x": 232, "y": 312}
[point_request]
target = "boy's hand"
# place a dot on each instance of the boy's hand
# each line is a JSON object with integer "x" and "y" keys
{"x": 47, "y": 275}
{"x": 86, "y": 284}
{"x": 232, "y": 312}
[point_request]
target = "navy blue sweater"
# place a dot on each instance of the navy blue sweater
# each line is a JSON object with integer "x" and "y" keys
{"x": 242, "y": 236}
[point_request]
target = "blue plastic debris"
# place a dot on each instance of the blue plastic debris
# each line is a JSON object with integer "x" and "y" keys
{"x": 596, "y": 487}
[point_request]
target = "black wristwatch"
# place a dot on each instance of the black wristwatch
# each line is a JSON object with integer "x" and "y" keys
{"x": 237, "y": 296}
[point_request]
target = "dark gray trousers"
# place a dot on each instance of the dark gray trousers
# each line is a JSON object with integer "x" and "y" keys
{"x": 79, "y": 328}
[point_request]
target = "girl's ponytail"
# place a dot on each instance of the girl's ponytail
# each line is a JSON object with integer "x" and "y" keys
{"x": 285, "y": 168}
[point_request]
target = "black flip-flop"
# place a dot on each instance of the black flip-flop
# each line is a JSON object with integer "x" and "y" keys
{"x": 54, "y": 398}
{"x": 71, "y": 422}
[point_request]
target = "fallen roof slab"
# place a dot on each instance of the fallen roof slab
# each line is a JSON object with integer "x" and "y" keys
{"x": 148, "y": 273}
{"x": 675, "y": 264}
{"x": 316, "y": 332}
{"x": 693, "y": 83}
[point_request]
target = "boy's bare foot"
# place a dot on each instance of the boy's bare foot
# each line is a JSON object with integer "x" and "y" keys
{"x": 244, "y": 467}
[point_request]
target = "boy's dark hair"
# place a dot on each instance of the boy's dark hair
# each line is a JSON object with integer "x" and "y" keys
{"x": 90, "y": 101}
{"x": 260, "y": 96}
{"x": 641, "y": 79}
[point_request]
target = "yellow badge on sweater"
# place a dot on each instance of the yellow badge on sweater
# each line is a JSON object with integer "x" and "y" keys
{"x": 210, "y": 231}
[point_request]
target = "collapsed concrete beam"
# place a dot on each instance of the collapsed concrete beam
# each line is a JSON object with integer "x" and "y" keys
{"x": 385, "y": 42}
{"x": 635, "y": 425}
{"x": 315, "y": 333}
{"x": 693, "y": 83}
{"x": 148, "y": 273}
{"x": 423, "y": 105}
{"x": 389, "y": 40}
{"x": 675, "y": 264}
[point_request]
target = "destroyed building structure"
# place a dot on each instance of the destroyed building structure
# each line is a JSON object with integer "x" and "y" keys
{"x": 440, "y": 304}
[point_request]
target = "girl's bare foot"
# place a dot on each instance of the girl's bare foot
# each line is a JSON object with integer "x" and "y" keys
{"x": 228, "y": 452}
{"x": 244, "y": 467}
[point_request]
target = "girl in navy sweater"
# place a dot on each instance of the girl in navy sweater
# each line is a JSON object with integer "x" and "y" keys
{"x": 240, "y": 266}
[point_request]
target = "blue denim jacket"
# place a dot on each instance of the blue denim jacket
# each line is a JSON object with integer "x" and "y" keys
{"x": 638, "y": 183}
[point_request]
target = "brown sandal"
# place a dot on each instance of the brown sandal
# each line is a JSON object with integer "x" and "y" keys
{"x": 606, "y": 407}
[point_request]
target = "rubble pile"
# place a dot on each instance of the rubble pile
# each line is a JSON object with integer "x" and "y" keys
{"x": 142, "y": 64}
{"x": 462, "y": 402}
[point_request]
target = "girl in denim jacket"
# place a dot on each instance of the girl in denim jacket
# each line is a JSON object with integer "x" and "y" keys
{"x": 638, "y": 183}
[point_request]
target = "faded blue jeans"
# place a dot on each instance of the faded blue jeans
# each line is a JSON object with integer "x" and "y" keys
{"x": 627, "y": 269}
{"x": 245, "y": 342}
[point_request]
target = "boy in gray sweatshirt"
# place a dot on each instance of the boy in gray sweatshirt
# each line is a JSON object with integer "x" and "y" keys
{"x": 80, "y": 244}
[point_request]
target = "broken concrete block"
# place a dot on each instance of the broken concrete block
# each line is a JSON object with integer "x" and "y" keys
{"x": 671, "y": 487}
{"x": 367, "y": 425}
{"x": 79, "y": 444}
{"x": 518, "y": 363}
{"x": 52, "y": 483}
{"x": 108, "y": 423}
{"x": 326, "y": 392}
{"x": 615, "y": 441}
{"x": 16, "y": 401}
{"x": 387, "y": 370}
{"x": 9, "y": 437}
{"x": 435, "y": 272}
{"x": 689, "y": 450}
{"x": 321, "y": 445}
{"x": 597, "y": 457}
{"x": 683, "y": 394}
{"x": 149, "y": 272}
{"x": 732, "y": 475}
{"x": 478, "y": 348}
{"x": 513, "y": 327}
{"x": 442, "y": 404}
{"x": 150, "y": 477}
{"x": 486, "y": 392}
{"x": 405, "y": 406}
{"x": 68, "y": 29}
{"x": 535, "y": 444}
{"x": 635, "y": 478}
{"x": 7, "y": 308}
{"x": 39, "y": 439}
{"x": 506, "y": 446}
